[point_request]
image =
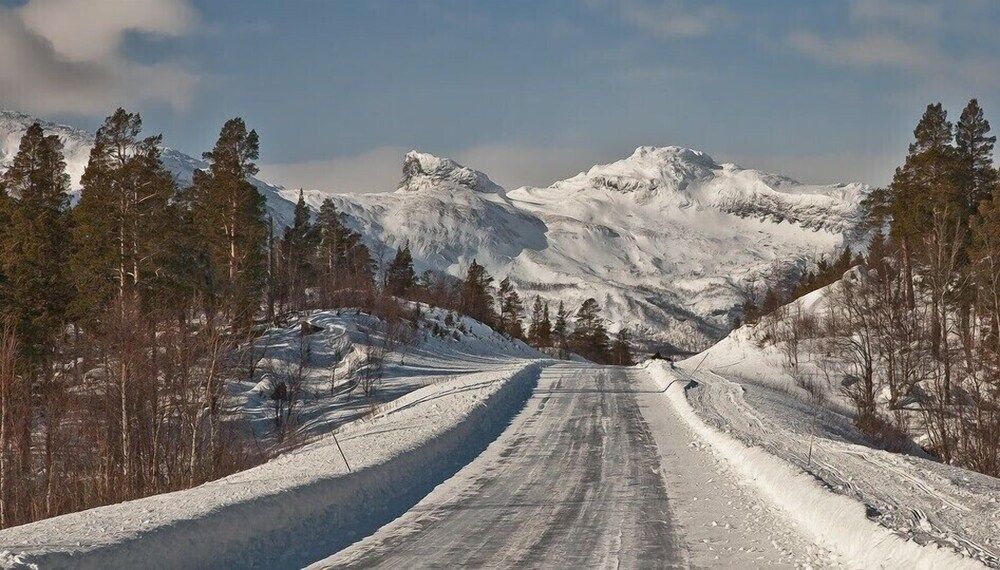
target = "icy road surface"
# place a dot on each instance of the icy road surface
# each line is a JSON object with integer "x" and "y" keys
{"x": 595, "y": 472}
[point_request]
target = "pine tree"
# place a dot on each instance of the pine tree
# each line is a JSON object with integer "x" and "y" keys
{"x": 5, "y": 205}
{"x": 344, "y": 258}
{"x": 985, "y": 258}
{"x": 842, "y": 264}
{"x": 545, "y": 330}
{"x": 590, "y": 336}
{"x": 35, "y": 243}
{"x": 510, "y": 309}
{"x": 400, "y": 277}
{"x": 621, "y": 350}
{"x": 126, "y": 248}
{"x": 332, "y": 236}
{"x": 298, "y": 246}
{"x": 477, "y": 295}
{"x": 925, "y": 183}
{"x": 124, "y": 226}
{"x": 228, "y": 215}
{"x": 560, "y": 330}
{"x": 977, "y": 177}
{"x": 878, "y": 250}
{"x": 539, "y": 327}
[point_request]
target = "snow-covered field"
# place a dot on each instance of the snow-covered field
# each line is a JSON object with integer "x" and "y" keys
{"x": 307, "y": 503}
{"x": 836, "y": 521}
{"x": 745, "y": 391}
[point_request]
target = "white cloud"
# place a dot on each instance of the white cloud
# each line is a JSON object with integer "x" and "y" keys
{"x": 867, "y": 50}
{"x": 669, "y": 18}
{"x": 89, "y": 30}
{"x": 66, "y": 56}
{"x": 938, "y": 42}
{"x": 379, "y": 170}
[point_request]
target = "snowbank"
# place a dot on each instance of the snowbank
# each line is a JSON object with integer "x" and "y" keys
{"x": 303, "y": 505}
{"x": 836, "y": 521}
{"x": 746, "y": 389}
{"x": 438, "y": 346}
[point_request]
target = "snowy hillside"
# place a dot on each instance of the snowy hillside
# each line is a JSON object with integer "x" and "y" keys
{"x": 744, "y": 386}
{"x": 349, "y": 347}
{"x": 665, "y": 239}
{"x": 77, "y": 144}
{"x": 446, "y": 392}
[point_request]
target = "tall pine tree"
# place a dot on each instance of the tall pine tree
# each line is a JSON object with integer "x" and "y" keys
{"x": 977, "y": 178}
{"x": 925, "y": 183}
{"x": 228, "y": 215}
{"x": 560, "y": 330}
{"x": 985, "y": 258}
{"x": 35, "y": 243}
{"x": 590, "y": 335}
{"x": 400, "y": 278}
{"x": 124, "y": 225}
{"x": 344, "y": 258}
{"x": 510, "y": 309}
{"x": 621, "y": 348}
{"x": 540, "y": 327}
{"x": 298, "y": 246}
{"x": 477, "y": 295}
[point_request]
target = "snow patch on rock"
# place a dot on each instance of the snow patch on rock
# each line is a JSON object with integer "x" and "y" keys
{"x": 422, "y": 171}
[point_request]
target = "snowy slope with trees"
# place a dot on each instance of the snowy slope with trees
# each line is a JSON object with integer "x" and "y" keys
{"x": 440, "y": 390}
{"x": 749, "y": 386}
{"x": 667, "y": 240}
{"x": 884, "y": 382}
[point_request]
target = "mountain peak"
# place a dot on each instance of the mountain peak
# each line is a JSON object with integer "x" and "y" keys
{"x": 423, "y": 170}
{"x": 648, "y": 170}
{"x": 671, "y": 153}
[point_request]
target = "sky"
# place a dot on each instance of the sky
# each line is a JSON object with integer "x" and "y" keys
{"x": 528, "y": 91}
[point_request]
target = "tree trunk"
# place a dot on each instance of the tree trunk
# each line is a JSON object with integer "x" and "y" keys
{"x": 908, "y": 274}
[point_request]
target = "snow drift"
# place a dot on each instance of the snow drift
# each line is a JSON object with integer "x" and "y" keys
{"x": 836, "y": 521}
{"x": 745, "y": 388}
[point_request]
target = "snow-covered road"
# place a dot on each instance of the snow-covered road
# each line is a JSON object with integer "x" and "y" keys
{"x": 595, "y": 472}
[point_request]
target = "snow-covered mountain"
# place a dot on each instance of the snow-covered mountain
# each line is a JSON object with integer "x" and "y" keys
{"x": 77, "y": 144}
{"x": 666, "y": 239}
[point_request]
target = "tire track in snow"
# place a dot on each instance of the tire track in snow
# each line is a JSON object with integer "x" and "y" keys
{"x": 574, "y": 482}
